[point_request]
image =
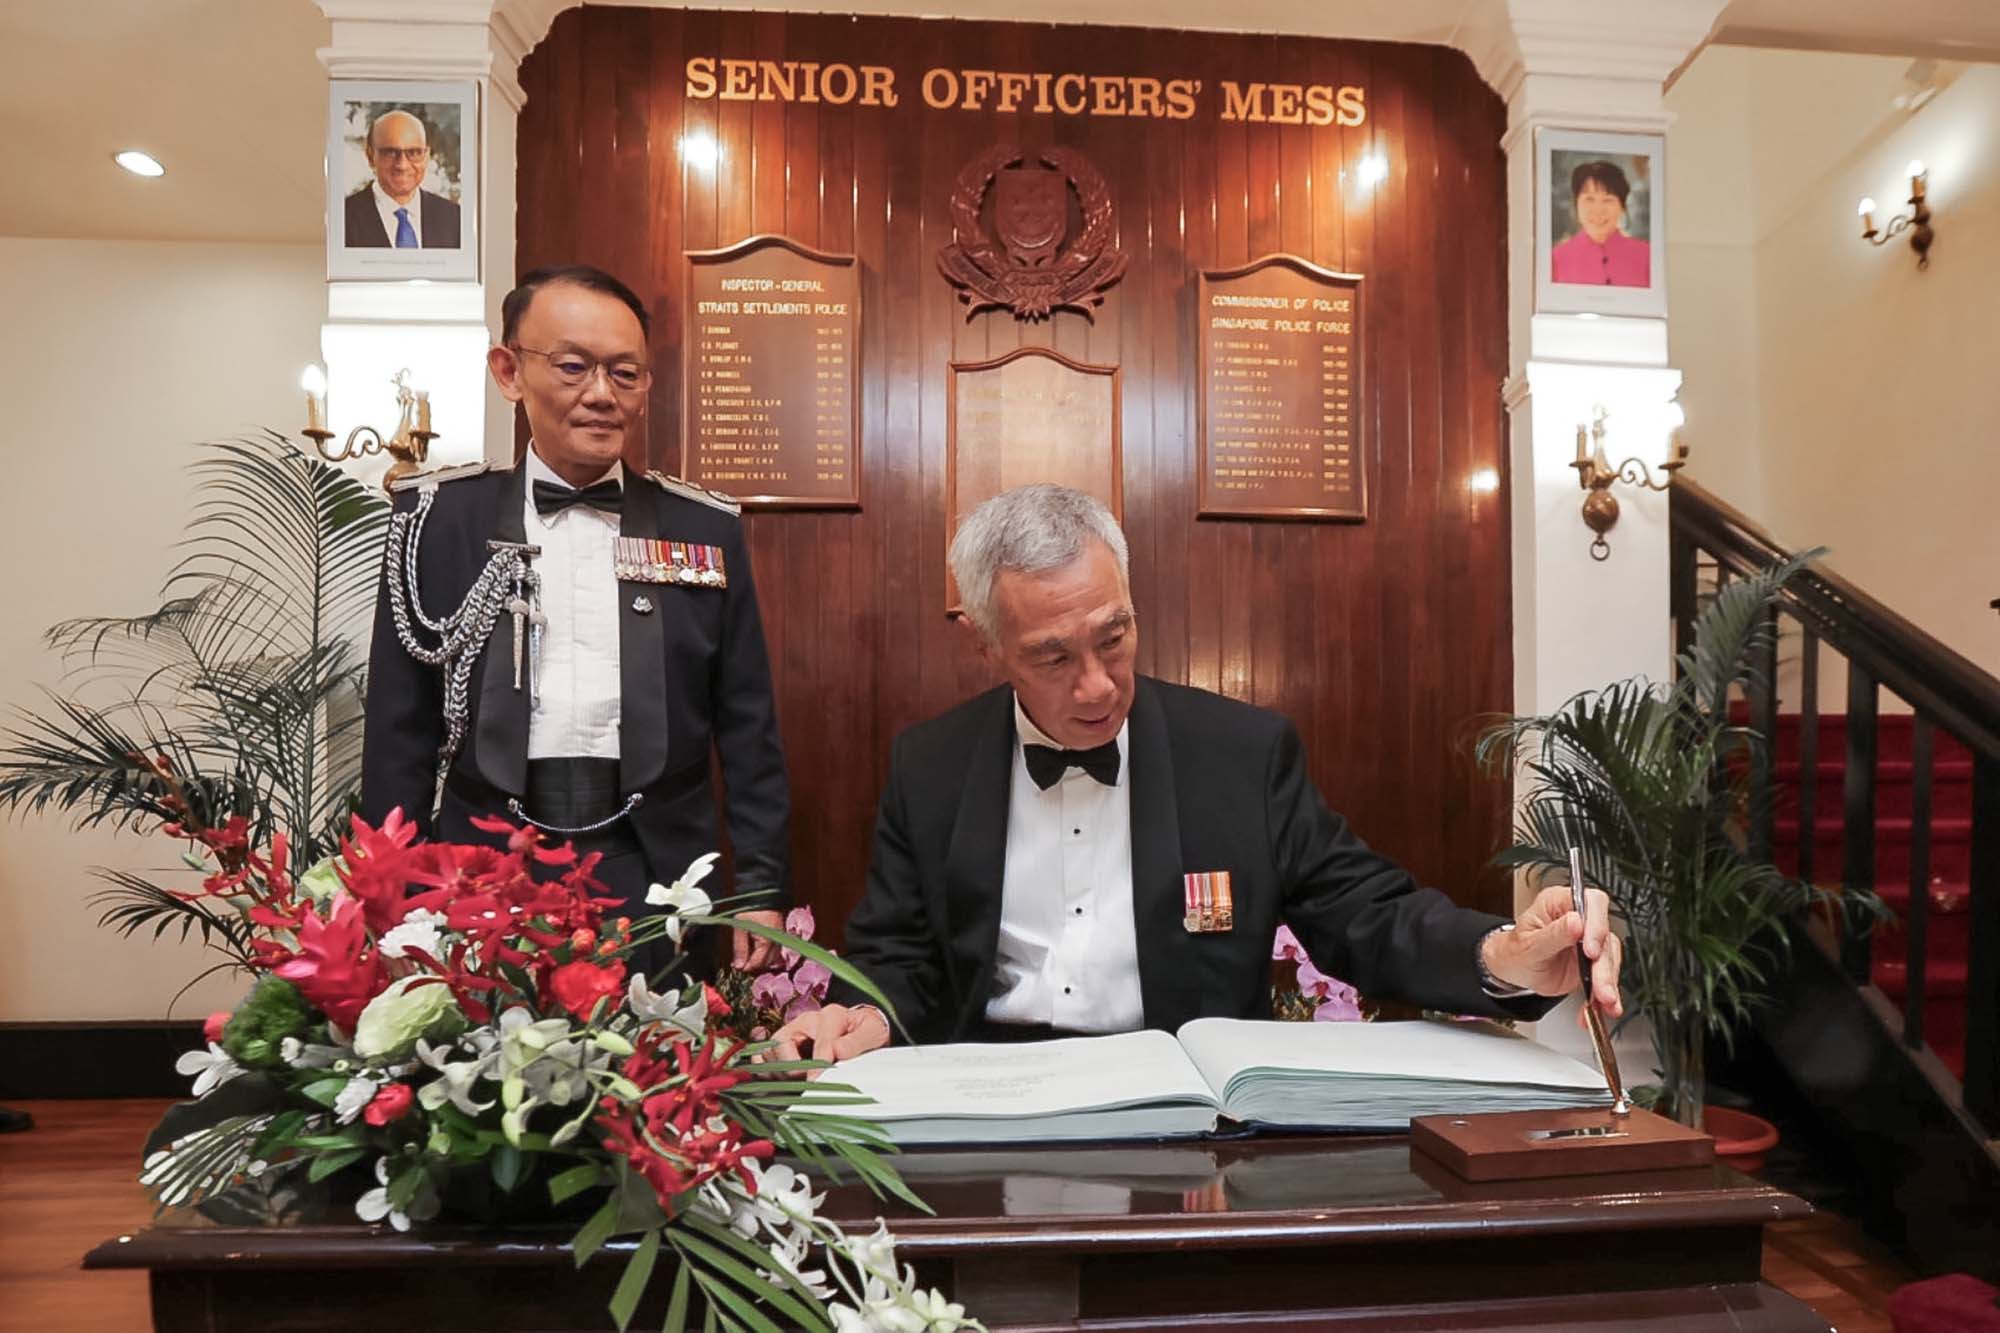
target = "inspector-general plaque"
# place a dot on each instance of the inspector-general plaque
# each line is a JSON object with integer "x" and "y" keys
{"x": 1280, "y": 388}
{"x": 770, "y": 413}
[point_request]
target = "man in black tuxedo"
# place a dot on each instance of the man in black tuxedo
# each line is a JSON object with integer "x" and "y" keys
{"x": 1049, "y": 857}
{"x": 650, "y": 651}
{"x": 394, "y": 210}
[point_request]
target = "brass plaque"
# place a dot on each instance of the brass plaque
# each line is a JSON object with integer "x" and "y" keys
{"x": 1280, "y": 384}
{"x": 771, "y": 410}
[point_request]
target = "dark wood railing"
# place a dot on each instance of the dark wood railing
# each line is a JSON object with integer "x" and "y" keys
{"x": 1945, "y": 691}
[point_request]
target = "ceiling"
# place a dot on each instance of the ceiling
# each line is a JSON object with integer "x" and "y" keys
{"x": 230, "y": 94}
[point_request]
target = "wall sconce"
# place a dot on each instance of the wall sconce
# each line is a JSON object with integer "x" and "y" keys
{"x": 1917, "y": 221}
{"x": 409, "y": 446}
{"x": 1595, "y": 475}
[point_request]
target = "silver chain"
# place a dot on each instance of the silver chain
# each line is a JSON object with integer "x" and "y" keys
{"x": 461, "y": 635}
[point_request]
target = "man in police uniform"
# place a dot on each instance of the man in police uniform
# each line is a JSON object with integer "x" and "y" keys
{"x": 564, "y": 641}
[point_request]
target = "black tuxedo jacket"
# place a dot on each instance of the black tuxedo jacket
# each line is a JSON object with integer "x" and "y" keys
{"x": 437, "y": 218}
{"x": 693, "y": 674}
{"x": 1215, "y": 785}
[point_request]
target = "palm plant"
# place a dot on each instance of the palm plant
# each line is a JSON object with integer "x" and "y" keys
{"x": 1650, "y": 782}
{"x": 237, "y": 698}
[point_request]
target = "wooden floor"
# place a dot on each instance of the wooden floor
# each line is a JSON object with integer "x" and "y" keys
{"x": 71, "y": 1182}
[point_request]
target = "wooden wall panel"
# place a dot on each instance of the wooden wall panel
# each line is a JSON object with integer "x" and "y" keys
{"x": 1386, "y": 641}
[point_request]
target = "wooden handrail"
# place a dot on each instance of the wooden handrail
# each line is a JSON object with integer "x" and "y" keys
{"x": 1930, "y": 675}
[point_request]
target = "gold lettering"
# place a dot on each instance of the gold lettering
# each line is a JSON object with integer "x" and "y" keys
{"x": 1352, "y": 111}
{"x": 1062, "y": 103}
{"x": 739, "y": 80}
{"x": 1145, "y": 94}
{"x": 1012, "y": 88}
{"x": 843, "y": 95}
{"x": 701, "y": 76}
{"x": 878, "y": 85}
{"x": 1042, "y": 94}
{"x": 1319, "y": 105}
{"x": 977, "y": 83}
{"x": 775, "y": 81}
{"x": 1180, "y": 98}
{"x": 1285, "y": 103}
{"x": 809, "y": 80}
{"x": 1242, "y": 104}
{"x": 1110, "y": 91}
{"x": 942, "y": 78}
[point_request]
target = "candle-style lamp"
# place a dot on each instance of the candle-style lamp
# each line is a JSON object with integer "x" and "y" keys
{"x": 1595, "y": 475}
{"x": 1917, "y": 221}
{"x": 409, "y": 446}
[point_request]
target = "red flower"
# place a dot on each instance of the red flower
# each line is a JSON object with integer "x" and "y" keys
{"x": 392, "y": 1103}
{"x": 211, "y": 1030}
{"x": 717, "y": 1006}
{"x": 679, "y": 1138}
{"x": 337, "y": 967}
{"x": 578, "y": 986}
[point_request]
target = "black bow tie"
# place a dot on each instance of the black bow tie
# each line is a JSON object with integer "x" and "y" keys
{"x": 606, "y": 496}
{"x": 1046, "y": 764}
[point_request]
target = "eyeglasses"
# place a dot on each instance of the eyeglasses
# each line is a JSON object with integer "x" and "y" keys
{"x": 410, "y": 155}
{"x": 576, "y": 369}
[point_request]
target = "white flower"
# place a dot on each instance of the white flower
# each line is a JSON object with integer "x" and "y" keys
{"x": 420, "y": 928}
{"x": 354, "y": 1098}
{"x": 731, "y": 1208}
{"x": 784, "y": 1196}
{"x": 409, "y": 1008}
{"x": 306, "y": 1055}
{"x": 455, "y": 1078}
{"x": 789, "y": 1255}
{"x": 874, "y": 1254}
{"x": 212, "y": 1068}
{"x": 691, "y": 1018}
{"x": 682, "y": 897}
{"x": 374, "y": 1205}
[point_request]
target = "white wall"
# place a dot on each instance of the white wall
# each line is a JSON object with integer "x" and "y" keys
{"x": 115, "y": 358}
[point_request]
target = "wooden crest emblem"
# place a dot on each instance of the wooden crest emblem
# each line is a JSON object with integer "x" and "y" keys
{"x": 1019, "y": 260}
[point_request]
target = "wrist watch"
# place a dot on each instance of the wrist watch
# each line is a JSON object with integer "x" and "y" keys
{"x": 1495, "y": 988}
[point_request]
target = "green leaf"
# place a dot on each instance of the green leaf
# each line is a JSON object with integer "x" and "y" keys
{"x": 638, "y": 1272}
{"x": 508, "y": 1165}
{"x": 590, "y": 1237}
{"x": 324, "y": 1090}
{"x": 677, "y": 1306}
{"x": 566, "y": 1185}
{"x": 793, "y": 1299}
{"x": 742, "y": 1309}
{"x": 328, "y": 1163}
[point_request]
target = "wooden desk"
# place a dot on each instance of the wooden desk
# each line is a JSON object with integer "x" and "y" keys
{"x": 1300, "y": 1234}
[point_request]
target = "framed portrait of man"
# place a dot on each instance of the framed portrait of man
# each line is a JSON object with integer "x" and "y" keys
{"x": 402, "y": 180}
{"x": 1600, "y": 223}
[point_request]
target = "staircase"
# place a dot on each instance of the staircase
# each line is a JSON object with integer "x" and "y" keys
{"x": 1948, "y": 931}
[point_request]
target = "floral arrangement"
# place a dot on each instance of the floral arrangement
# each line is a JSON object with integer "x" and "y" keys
{"x": 1314, "y": 996}
{"x": 762, "y": 1002}
{"x": 444, "y": 1016}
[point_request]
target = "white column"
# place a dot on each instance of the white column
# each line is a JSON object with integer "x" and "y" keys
{"x": 438, "y": 330}
{"x": 1579, "y": 622}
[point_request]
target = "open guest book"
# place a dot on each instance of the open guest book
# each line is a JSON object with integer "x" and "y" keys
{"x": 1214, "y": 1075}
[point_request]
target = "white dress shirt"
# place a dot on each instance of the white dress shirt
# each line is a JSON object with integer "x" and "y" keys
{"x": 1069, "y": 948}
{"x": 387, "y": 206}
{"x": 577, "y": 714}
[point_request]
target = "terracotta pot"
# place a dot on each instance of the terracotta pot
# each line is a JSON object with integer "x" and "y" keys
{"x": 1739, "y": 1136}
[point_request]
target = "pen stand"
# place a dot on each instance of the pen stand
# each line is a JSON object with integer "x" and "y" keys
{"x": 1535, "y": 1145}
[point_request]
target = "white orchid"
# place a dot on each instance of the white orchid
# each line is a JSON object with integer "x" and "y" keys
{"x": 784, "y": 1196}
{"x": 309, "y": 1055}
{"x": 683, "y": 898}
{"x": 455, "y": 1078}
{"x": 355, "y": 1096}
{"x": 422, "y": 928}
{"x": 210, "y": 1069}
{"x": 374, "y": 1206}
{"x": 691, "y": 1018}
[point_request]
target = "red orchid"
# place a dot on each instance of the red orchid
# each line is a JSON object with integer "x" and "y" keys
{"x": 673, "y": 1141}
{"x": 336, "y": 965}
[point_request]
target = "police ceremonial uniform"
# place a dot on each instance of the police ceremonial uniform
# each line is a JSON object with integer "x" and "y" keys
{"x": 453, "y": 681}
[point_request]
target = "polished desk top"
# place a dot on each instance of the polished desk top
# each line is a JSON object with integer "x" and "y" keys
{"x": 1264, "y": 1193}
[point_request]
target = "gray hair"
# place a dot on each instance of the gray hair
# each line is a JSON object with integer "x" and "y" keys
{"x": 1029, "y": 530}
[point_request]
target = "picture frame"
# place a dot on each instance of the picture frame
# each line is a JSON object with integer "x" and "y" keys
{"x": 1600, "y": 223}
{"x": 402, "y": 180}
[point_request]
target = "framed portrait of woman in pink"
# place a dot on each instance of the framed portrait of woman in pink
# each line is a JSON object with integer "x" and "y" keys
{"x": 1600, "y": 221}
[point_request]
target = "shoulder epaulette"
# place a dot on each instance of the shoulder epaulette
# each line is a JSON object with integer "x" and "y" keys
{"x": 418, "y": 480}
{"x": 699, "y": 494}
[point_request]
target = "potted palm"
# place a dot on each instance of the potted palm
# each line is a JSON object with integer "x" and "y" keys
{"x": 1650, "y": 781}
